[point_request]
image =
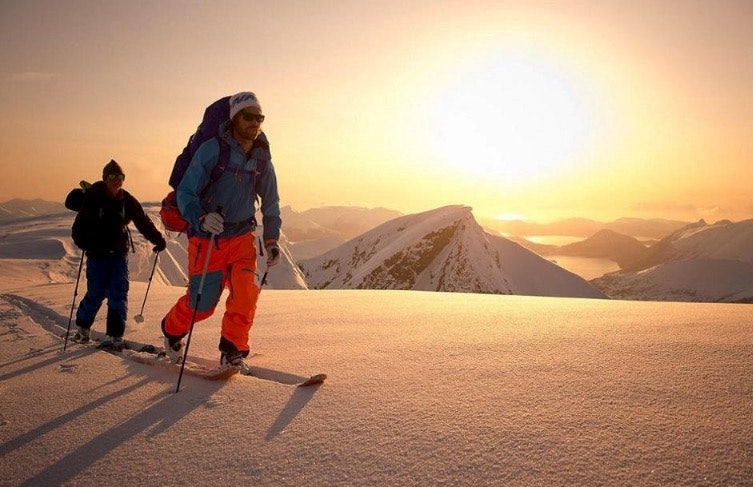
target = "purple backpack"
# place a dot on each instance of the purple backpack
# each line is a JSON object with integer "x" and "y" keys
{"x": 214, "y": 116}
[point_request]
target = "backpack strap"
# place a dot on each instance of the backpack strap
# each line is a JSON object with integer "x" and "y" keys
{"x": 222, "y": 161}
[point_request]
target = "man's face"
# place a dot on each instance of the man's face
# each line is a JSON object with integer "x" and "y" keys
{"x": 248, "y": 122}
{"x": 114, "y": 182}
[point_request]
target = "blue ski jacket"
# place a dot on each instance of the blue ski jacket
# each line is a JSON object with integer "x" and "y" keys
{"x": 235, "y": 192}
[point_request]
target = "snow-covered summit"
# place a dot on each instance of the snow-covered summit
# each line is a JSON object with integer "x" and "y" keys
{"x": 721, "y": 240}
{"x": 444, "y": 249}
{"x": 699, "y": 262}
{"x": 697, "y": 280}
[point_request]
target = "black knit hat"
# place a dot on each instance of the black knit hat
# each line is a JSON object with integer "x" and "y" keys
{"x": 112, "y": 167}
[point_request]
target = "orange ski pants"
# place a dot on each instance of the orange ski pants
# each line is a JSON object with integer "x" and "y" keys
{"x": 232, "y": 264}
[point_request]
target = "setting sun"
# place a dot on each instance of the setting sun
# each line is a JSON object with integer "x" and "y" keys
{"x": 545, "y": 109}
{"x": 510, "y": 116}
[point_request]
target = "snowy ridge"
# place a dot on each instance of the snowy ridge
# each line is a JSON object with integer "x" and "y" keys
{"x": 700, "y": 262}
{"x": 440, "y": 250}
{"x": 701, "y": 280}
{"x": 18, "y": 209}
{"x": 722, "y": 240}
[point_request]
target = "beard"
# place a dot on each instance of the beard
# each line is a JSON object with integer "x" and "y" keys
{"x": 248, "y": 134}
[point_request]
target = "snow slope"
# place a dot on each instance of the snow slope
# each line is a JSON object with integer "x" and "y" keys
{"x": 722, "y": 240}
{"x": 700, "y": 280}
{"x": 700, "y": 262}
{"x": 424, "y": 389}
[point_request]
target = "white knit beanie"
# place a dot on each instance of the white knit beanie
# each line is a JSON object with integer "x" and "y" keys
{"x": 242, "y": 100}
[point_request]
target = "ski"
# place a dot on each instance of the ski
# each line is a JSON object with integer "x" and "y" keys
{"x": 282, "y": 378}
{"x": 155, "y": 356}
{"x": 147, "y": 353}
{"x": 190, "y": 368}
{"x": 313, "y": 380}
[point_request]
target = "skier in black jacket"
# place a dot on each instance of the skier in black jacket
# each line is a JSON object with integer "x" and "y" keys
{"x": 100, "y": 229}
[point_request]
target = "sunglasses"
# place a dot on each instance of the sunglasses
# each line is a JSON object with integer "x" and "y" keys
{"x": 113, "y": 177}
{"x": 251, "y": 117}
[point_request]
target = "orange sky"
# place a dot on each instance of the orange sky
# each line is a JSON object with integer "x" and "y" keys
{"x": 547, "y": 110}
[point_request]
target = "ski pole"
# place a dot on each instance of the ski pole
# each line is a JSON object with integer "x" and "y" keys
{"x": 195, "y": 309}
{"x": 140, "y": 317}
{"x": 266, "y": 271}
{"x": 73, "y": 303}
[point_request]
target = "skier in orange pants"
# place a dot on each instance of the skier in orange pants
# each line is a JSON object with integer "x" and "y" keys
{"x": 221, "y": 212}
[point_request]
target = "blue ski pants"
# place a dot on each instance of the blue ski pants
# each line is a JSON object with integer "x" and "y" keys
{"x": 106, "y": 277}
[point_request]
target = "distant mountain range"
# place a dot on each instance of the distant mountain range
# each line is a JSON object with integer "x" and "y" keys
{"x": 344, "y": 222}
{"x": 582, "y": 227}
{"x": 697, "y": 262}
{"x": 18, "y": 209}
{"x": 604, "y": 244}
{"x": 440, "y": 250}
{"x": 444, "y": 249}
{"x": 312, "y": 232}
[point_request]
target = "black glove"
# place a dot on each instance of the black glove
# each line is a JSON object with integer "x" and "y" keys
{"x": 160, "y": 245}
{"x": 273, "y": 254}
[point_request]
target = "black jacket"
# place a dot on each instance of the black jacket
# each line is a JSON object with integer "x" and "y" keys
{"x": 100, "y": 225}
